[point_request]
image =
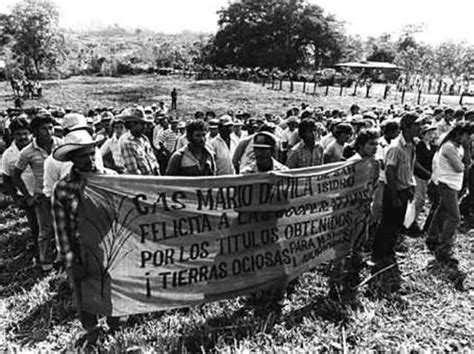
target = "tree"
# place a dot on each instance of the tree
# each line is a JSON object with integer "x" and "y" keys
{"x": 381, "y": 49}
{"x": 37, "y": 43}
{"x": 452, "y": 60}
{"x": 275, "y": 33}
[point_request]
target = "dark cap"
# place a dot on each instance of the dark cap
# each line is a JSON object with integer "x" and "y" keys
{"x": 410, "y": 118}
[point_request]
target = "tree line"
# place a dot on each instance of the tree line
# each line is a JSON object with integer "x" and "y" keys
{"x": 293, "y": 36}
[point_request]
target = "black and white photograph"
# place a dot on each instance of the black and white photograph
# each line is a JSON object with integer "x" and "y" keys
{"x": 237, "y": 176}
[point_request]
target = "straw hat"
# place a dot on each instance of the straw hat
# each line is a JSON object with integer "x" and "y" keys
{"x": 75, "y": 140}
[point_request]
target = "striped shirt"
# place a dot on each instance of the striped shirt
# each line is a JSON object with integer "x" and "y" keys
{"x": 168, "y": 138}
{"x": 34, "y": 156}
{"x": 401, "y": 155}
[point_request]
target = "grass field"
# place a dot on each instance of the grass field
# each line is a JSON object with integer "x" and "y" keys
{"x": 36, "y": 311}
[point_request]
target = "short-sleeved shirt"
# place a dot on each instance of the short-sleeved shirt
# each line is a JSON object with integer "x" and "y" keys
{"x": 34, "y": 156}
{"x": 223, "y": 155}
{"x": 9, "y": 159}
{"x": 302, "y": 156}
{"x": 401, "y": 155}
{"x": 168, "y": 138}
{"x": 291, "y": 137}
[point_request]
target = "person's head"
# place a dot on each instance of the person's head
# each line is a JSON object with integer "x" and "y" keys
{"x": 355, "y": 109}
{"x": 428, "y": 133}
{"x": 292, "y": 123}
{"x": 459, "y": 134}
{"x": 410, "y": 124}
{"x": 196, "y": 133}
{"x": 135, "y": 120}
{"x": 237, "y": 127}
{"x": 438, "y": 113}
{"x": 264, "y": 147}
{"x": 182, "y": 127}
{"x": 366, "y": 142}
{"x": 258, "y": 124}
{"x": 209, "y": 115}
{"x": 20, "y": 131}
{"x": 42, "y": 127}
{"x": 164, "y": 122}
{"x": 83, "y": 159}
{"x": 459, "y": 115}
{"x": 174, "y": 125}
{"x": 343, "y": 133}
{"x": 306, "y": 131}
{"x": 225, "y": 126}
{"x": 80, "y": 148}
{"x": 390, "y": 129}
{"x": 118, "y": 127}
{"x": 213, "y": 127}
{"x": 448, "y": 114}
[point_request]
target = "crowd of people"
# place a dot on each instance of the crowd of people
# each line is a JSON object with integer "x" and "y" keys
{"x": 423, "y": 153}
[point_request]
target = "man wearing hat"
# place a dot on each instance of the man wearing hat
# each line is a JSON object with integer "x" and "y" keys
{"x": 399, "y": 189}
{"x": 34, "y": 155}
{"x": 213, "y": 128}
{"x": 223, "y": 146}
{"x": 54, "y": 170}
{"x": 78, "y": 148}
{"x": 264, "y": 145}
{"x": 137, "y": 153}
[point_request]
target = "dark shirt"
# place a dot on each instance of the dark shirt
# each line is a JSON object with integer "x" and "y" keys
{"x": 424, "y": 156}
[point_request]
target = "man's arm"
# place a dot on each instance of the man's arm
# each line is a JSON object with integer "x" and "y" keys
{"x": 18, "y": 182}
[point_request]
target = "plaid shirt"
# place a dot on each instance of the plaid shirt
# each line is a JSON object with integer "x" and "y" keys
{"x": 302, "y": 156}
{"x": 66, "y": 201}
{"x": 138, "y": 156}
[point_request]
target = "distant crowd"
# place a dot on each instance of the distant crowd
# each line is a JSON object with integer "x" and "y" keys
{"x": 423, "y": 153}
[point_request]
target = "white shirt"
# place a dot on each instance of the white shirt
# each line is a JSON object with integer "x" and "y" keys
{"x": 54, "y": 170}
{"x": 223, "y": 155}
{"x": 442, "y": 166}
{"x": 9, "y": 160}
{"x": 112, "y": 145}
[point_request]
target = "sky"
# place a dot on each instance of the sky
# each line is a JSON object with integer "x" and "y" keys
{"x": 442, "y": 19}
